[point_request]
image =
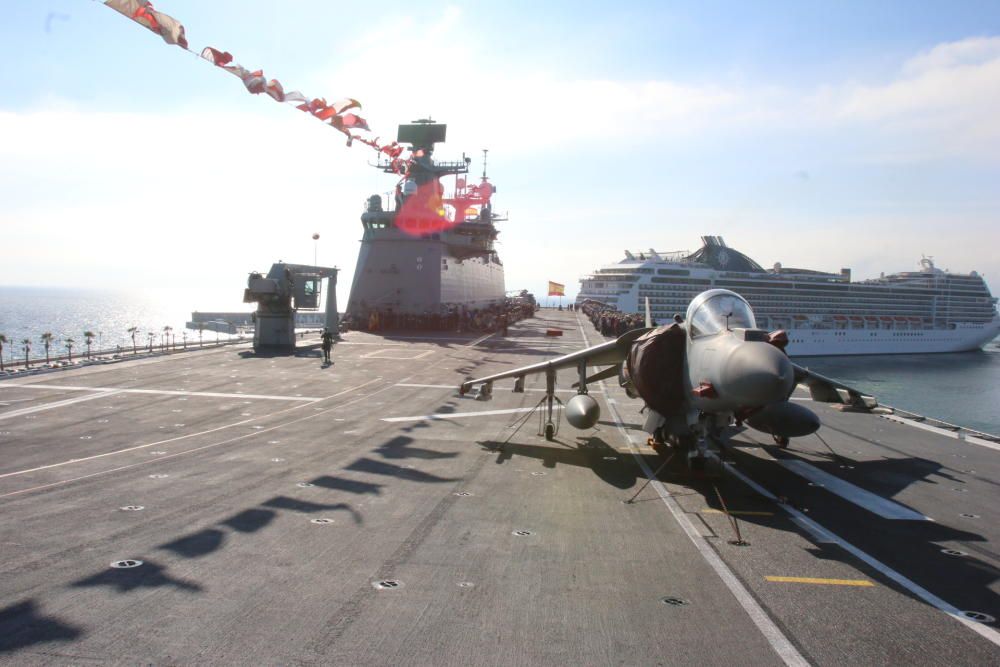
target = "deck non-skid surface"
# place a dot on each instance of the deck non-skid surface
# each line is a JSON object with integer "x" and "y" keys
{"x": 267, "y": 497}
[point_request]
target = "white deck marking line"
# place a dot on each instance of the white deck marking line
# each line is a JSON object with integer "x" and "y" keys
{"x": 180, "y": 437}
{"x": 973, "y": 440}
{"x": 210, "y": 445}
{"x": 478, "y": 340}
{"x": 943, "y": 432}
{"x": 441, "y": 416}
{"x": 876, "y": 504}
{"x": 378, "y": 354}
{"x": 358, "y": 342}
{"x": 457, "y": 338}
{"x": 924, "y": 427}
{"x": 57, "y": 404}
{"x": 507, "y": 388}
{"x": 168, "y": 392}
{"x": 814, "y": 528}
{"x": 772, "y": 633}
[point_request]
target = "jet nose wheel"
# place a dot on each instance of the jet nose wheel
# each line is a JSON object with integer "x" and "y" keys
{"x": 781, "y": 441}
{"x": 708, "y": 465}
{"x": 550, "y": 431}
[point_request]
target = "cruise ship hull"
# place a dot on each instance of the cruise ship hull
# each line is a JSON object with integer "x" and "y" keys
{"x": 852, "y": 342}
{"x": 824, "y": 314}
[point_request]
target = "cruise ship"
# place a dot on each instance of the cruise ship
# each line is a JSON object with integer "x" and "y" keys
{"x": 824, "y": 314}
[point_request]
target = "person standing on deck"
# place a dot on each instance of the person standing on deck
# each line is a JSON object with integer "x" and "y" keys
{"x": 327, "y": 345}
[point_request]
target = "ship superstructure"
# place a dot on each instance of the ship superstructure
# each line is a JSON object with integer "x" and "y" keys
{"x": 425, "y": 253}
{"x": 923, "y": 311}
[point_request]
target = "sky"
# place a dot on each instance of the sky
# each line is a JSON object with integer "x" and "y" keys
{"x": 815, "y": 134}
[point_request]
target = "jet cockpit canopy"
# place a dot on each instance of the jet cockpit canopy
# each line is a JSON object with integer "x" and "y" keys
{"x": 717, "y": 310}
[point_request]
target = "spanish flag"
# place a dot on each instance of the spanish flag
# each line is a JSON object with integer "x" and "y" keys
{"x": 556, "y": 289}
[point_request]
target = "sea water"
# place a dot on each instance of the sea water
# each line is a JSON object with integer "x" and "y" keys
{"x": 28, "y": 312}
{"x": 962, "y": 388}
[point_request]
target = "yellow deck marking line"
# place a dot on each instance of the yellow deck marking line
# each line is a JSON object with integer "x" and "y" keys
{"x": 737, "y": 512}
{"x": 828, "y": 582}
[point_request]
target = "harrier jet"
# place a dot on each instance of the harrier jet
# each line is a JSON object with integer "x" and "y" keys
{"x": 697, "y": 378}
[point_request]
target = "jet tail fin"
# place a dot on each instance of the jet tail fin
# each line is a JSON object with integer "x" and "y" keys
{"x": 649, "y": 317}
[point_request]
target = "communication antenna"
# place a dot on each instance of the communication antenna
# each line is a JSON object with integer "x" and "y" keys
{"x": 485, "y": 151}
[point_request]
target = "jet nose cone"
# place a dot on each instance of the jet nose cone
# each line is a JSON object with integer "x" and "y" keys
{"x": 757, "y": 374}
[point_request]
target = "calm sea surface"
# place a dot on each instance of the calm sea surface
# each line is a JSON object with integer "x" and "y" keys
{"x": 27, "y": 312}
{"x": 960, "y": 388}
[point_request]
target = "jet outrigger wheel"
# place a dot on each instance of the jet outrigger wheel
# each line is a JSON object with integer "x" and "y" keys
{"x": 781, "y": 440}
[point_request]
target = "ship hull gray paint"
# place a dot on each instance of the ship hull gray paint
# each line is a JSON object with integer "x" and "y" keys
{"x": 419, "y": 275}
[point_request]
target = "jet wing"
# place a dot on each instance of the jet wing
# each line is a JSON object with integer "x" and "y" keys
{"x": 825, "y": 390}
{"x": 610, "y": 353}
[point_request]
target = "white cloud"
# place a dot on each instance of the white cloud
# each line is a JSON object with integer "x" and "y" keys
{"x": 972, "y": 51}
{"x": 206, "y": 197}
{"x": 941, "y": 103}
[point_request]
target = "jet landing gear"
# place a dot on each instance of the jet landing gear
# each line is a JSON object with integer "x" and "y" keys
{"x": 548, "y": 425}
{"x": 704, "y": 456}
{"x": 781, "y": 441}
{"x": 551, "y": 427}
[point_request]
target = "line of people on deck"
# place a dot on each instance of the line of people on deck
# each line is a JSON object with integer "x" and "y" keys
{"x": 453, "y": 318}
{"x": 609, "y": 322}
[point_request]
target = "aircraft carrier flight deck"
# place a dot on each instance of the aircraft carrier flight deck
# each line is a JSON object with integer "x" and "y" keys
{"x": 217, "y": 507}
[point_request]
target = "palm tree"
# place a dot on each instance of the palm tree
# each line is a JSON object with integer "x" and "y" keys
{"x": 166, "y": 334}
{"x": 88, "y": 337}
{"x": 69, "y": 342}
{"x": 27, "y": 348}
{"x": 201, "y": 330}
{"x": 46, "y": 341}
{"x": 184, "y": 337}
{"x": 132, "y": 332}
{"x": 151, "y": 337}
{"x": 3, "y": 339}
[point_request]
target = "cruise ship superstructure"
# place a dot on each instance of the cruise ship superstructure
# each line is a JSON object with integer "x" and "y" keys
{"x": 916, "y": 312}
